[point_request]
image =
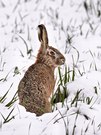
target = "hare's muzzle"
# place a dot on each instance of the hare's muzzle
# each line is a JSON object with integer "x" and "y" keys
{"x": 61, "y": 60}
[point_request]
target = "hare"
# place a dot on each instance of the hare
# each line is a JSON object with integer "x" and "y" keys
{"x": 38, "y": 82}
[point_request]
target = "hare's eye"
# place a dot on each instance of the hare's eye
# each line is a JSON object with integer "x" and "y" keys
{"x": 52, "y": 53}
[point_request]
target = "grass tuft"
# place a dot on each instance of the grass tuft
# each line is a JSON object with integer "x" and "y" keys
{"x": 2, "y": 99}
{"x": 8, "y": 118}
{"x": 13, "y": 100}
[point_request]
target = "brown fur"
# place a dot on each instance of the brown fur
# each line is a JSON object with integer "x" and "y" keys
{"x": 33, "y": 88}
{"x": 38, "y": 82}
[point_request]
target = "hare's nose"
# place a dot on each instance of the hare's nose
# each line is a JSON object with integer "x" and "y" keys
{"x": 62, "y": 60}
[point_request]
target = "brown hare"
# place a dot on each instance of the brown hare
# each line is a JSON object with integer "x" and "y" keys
{"x": 38, "y": 82}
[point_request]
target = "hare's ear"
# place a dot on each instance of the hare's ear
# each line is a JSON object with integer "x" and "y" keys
{"x": 43, "y": 36}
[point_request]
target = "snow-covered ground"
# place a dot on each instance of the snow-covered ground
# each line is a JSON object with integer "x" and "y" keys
{"x": 74, "y": 27}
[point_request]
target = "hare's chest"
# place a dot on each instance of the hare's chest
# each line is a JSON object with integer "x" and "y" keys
{"x": 49, "y": 82}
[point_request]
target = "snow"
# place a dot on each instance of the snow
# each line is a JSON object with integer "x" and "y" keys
{"x": 64, "y": 20}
